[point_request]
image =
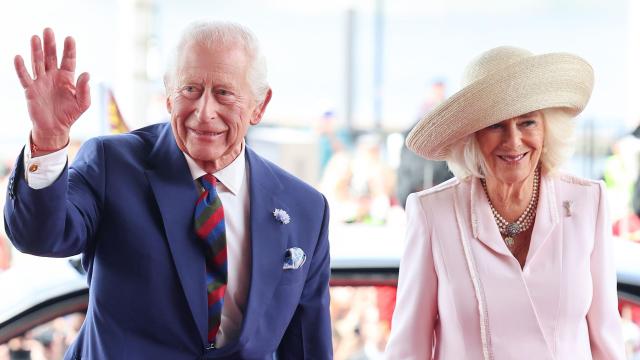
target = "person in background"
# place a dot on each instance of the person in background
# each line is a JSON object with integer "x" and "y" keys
{"x": 194, "y": 245}
{"x": 359, "y": 187}
{"x": 511, "y": 259}
{"x": 414, "y": 172}
{"x": 626, "y": 182}
{"x": 373, "y": 180}
{"x": 332, "y": 138}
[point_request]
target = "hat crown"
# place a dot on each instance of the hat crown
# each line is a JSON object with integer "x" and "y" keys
{"x": 491, "y": 61}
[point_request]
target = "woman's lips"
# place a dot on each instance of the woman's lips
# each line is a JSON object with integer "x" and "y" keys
{"x": 512, "y": 158}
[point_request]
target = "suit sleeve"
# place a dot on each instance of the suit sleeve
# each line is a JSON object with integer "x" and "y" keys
{"x": 58, "y": 220}
{"x": 415, "y": 314}
{"x": 605, "y": 332}
{"x": 308, "y": 335}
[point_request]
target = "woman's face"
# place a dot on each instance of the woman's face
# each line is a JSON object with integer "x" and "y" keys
{"x": 512, "y": 148}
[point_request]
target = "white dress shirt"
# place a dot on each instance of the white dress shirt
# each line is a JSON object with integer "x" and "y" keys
{"x": 233, "y": 189}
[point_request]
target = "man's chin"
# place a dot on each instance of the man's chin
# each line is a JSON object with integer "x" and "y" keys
{"x": 205, "y": 157}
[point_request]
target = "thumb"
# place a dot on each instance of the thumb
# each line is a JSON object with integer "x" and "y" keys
{"x": 83, "y": 94}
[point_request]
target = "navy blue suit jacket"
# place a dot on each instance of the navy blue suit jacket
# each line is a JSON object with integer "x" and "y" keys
{"x": 127, "y": 205}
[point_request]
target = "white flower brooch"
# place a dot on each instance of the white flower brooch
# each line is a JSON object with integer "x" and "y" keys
{"x": 281, "y": 216}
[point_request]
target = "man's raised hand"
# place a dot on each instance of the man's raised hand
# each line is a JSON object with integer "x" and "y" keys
{"x": 54, "y": 101}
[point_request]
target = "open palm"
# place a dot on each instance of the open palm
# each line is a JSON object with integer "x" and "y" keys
{"x": 54, "y": 101}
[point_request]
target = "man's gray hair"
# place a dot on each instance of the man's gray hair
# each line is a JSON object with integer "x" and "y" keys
{"x": 465, "y": 158}
{"x": 212, "y": 32}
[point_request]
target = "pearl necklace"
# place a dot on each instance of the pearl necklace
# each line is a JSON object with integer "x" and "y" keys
{"x": 510, "y": 230}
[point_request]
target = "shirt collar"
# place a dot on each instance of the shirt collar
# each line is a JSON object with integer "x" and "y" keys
{"x": 230, "y": 176}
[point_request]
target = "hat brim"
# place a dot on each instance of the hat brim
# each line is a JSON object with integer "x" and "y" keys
{"x": 533, "y": 83}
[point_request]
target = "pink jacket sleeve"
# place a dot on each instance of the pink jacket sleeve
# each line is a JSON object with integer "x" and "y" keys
{"x": 414, "y": 317}
{"x": 605, "y": 332}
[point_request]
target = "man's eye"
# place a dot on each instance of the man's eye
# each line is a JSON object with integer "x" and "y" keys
{"x": 223, "y": 92}
{"x": 190, "y": 91}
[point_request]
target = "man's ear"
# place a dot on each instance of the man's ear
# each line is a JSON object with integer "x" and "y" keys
{"x": 256, "y": 117}
{"x": 169, "y": 104}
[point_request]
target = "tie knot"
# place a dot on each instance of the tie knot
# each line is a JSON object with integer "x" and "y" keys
{"x": 208, "y": 182}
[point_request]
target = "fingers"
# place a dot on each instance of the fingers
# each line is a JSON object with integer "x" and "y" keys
{"x": 68, "y": 62}
{"x": 50, "y": 56}
{"x": 82, "y": 91}
{"x": 21, "y": 70}
{"x": 44, "y": 59}
{"x": 37, "y": 57}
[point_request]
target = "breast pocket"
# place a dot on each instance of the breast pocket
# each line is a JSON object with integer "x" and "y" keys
{"x": 294, "y": 266}
{"x": 293, "y": 276}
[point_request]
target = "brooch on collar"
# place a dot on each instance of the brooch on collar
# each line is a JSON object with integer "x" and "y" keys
{"x": 567, "y": 204}
{"x": 281, "y": 216}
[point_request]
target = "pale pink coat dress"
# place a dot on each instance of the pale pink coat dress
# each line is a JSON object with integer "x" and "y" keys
{"x": 462, "y": 295}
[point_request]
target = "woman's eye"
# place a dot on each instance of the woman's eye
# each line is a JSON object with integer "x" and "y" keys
{"x": 528, "y": 123}
{"x": 494, "y": 126}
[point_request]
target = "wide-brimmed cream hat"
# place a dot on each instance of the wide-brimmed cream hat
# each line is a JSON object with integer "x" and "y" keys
{"x": 500, "y": 84}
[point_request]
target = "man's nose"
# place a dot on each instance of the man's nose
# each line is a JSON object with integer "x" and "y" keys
{"x": 207, "y": 107}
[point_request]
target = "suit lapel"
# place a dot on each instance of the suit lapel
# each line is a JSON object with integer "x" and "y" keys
{"x": 176, "y": 195}
{"x": 547, "y": 217}
{"x": 268, "y": 239}
{"x": 544, "y": 288}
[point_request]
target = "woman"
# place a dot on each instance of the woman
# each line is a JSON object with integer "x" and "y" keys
{"x": 511, "y": 259}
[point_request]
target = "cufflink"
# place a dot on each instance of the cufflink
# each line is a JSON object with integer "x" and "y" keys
{"x": 294, "y": 258}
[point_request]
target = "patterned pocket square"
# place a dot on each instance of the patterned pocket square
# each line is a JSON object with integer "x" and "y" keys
{"x": 294, "y": 258}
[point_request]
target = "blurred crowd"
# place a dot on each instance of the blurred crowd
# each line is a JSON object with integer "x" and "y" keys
{"x": 622, "y": 177}
{"x": 361, "y": 319}
{"x": 367, "y": 176}
{"x": 45, "y": 342}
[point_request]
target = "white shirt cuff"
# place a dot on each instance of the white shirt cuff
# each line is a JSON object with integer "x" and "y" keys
{"x": 42, "y": 171}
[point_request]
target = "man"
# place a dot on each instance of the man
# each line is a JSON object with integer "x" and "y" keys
{"x": 127, "y": 204}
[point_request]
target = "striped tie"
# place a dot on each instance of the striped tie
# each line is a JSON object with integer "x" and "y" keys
{"x": 209, "y": 220}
